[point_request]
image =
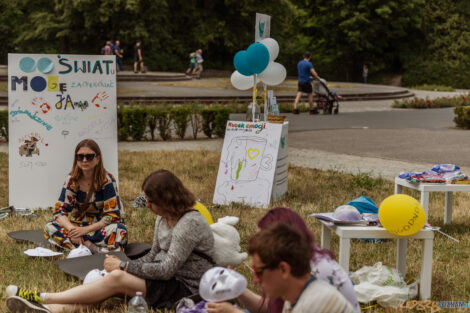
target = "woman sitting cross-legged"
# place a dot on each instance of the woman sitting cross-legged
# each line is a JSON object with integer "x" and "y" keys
{"x": 89, "y": 210}
{"x": 182, "y": 252}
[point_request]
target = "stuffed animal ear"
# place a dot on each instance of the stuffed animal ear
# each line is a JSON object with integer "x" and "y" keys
{"x": 229, "y": 220}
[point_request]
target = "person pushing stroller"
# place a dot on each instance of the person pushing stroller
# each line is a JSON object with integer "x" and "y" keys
{"x": 305, "y": 70}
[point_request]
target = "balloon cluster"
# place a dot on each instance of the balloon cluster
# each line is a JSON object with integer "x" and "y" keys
{"x": 258, "y": 59}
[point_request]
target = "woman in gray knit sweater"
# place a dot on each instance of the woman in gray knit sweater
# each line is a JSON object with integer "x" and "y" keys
{"x": 182, "y": 251}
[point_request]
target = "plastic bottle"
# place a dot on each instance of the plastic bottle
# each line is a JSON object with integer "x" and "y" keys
{"x": 274, "y": 107}
{"x": 137, "y": 304}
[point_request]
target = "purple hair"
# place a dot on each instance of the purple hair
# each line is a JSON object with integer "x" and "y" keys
{"x": 290, "y": 217}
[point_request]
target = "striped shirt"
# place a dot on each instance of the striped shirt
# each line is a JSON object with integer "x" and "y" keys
{"x": 319, "y": 297}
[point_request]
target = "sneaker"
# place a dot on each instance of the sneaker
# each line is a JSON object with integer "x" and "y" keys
{"x": 20, "y": 305}
{"x": 15, "y": 291}
{"x": 295, "y": 111}
{"x": 314, "y": 111}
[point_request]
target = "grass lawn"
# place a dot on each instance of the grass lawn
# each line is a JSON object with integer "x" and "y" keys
{"x": 309, "y": 191}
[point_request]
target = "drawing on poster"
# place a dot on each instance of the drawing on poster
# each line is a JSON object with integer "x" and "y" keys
{"x": 246, "y": 157}
{"x": 41, "y": 104}
{"x": 29, "y": 144}
{"x": 99, "y": 99}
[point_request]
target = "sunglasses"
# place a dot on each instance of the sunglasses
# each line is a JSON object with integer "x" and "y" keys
{"x": 89, "y": 156}
{"x": 258, "y": 271}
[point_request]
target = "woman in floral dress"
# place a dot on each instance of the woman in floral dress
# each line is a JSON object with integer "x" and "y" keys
{"x": 88, "y": 211}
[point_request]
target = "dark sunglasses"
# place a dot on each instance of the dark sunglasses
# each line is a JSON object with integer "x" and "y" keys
{"x": 89, "y": 156}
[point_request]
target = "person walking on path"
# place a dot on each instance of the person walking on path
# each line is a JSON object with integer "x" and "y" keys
{"x": 199, "y": 68}
{"x": 192, "y": 63}
{"x": 107, "y": 49}
{"x": 365, "y": 71}
{"x": 138, "y": 57}
{"x": 305, "y": 69}
{"x": 117, "y": 51}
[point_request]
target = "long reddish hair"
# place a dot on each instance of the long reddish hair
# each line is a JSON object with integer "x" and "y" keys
{"x": 99, "y": 174}
{"x": 291, "y": 218}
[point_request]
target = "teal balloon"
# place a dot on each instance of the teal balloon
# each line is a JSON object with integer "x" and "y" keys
{"x": 240, "y": 63}
{"x": 257, "y": 57}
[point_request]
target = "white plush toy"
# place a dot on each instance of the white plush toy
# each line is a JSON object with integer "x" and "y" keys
{"x": 227, "y": 242}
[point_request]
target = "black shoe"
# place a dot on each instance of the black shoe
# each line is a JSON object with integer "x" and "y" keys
{"x": 20, "y": 305}
{"x": 295, "y": 111}
{"x": 314, "y": 111}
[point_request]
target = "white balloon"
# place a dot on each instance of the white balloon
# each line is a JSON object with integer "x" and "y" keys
{"x": 241, "y": 82}
{"x": 274, "y": 74}
{"x": 273, "y": 48}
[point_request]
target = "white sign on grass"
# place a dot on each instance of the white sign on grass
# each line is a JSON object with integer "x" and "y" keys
{"x": 262, "y": 27}
{"x": 54, "y": 102}
{"x": 248, "y": 163}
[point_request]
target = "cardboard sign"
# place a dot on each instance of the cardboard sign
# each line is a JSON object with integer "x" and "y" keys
{"x": 54, "y": 102}
{"x": 262, "y": 27}
{"x": 248, "y": 165}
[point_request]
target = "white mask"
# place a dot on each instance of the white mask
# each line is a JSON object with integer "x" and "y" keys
{"x": 221, "y": 284}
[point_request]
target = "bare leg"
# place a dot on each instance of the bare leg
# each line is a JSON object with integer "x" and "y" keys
{"x": 62, "y": 308}
{"x": 142, "y": 67}
{"x": 115, "y": 283}
{"x": 135, "y": 67}
{"x": 310, "y": 101}
{"x": 297, "y": 99}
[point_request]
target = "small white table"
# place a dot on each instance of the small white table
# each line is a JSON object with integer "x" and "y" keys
{"x": 425, "y": 189}
{"x": 346, "y": 233}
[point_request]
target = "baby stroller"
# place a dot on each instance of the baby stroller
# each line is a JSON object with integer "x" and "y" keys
{"x": 328, "y": 101}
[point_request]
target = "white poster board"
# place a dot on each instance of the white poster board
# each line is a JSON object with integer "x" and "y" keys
{"x": 262, "y": 27}
{"x": 247, "y": 169}
{"x": 54, "y": 102}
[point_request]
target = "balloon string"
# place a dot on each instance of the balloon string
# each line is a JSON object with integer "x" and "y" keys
{"x": 438, "y": 229}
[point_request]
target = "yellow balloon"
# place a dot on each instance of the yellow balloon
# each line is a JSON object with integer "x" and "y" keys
{"x": 402, "y": 215}
{"x": 204, "y": 212}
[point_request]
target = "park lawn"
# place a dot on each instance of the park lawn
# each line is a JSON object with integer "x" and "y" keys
{"x": 309, "y": 191}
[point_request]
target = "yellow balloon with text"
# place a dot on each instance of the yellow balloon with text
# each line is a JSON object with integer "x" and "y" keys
{"x": 402, "y": 215}
{"x": 204, "y": 212}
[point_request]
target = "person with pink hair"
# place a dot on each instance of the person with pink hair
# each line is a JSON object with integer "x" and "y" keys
{"x": 322, "y": 262}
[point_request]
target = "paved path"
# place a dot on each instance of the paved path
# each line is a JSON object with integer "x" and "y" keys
{"x": 367, "y": 136}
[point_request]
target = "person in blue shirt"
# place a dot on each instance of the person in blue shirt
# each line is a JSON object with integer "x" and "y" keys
{"x": 305, "y": 70}
{"x": 117, "y": 51}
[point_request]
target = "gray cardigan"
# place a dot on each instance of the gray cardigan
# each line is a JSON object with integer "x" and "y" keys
{"x": 178, "y": 251}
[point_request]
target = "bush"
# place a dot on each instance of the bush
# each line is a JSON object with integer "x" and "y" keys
{"x": 442, "y": 102}
{"x": 208, "y": 121}
{"x": 152, "y": 121}
{"x": 221, "y": 117}
{"x": 131, "y": 123}
{"x": 462, "y": 117}
{"x": 4, "y": 124}
{"x": 163, "y": 123}
{"x": 181, "y": 117}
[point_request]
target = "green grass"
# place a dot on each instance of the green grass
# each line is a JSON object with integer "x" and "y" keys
{"x": 433, "y": 87}
{"x": 324, "y": 191}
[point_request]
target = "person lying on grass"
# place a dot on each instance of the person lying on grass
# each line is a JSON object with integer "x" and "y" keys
{"x": 322, "y": 262}
{"x": 88, "y": 211}
{"x": 182, "y": 252}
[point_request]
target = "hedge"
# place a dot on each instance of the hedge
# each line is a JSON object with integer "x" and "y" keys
{"x": 138, "y": 123}
{"x": 462, "y": 117}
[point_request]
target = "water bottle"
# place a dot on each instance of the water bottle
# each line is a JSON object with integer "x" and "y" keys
{"x": 137, "y": 304}
{"x": 274, "y": 107}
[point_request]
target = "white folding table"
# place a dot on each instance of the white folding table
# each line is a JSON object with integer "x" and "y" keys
{"x": 346, "y": 233}
{"x": 425, "y": 189}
